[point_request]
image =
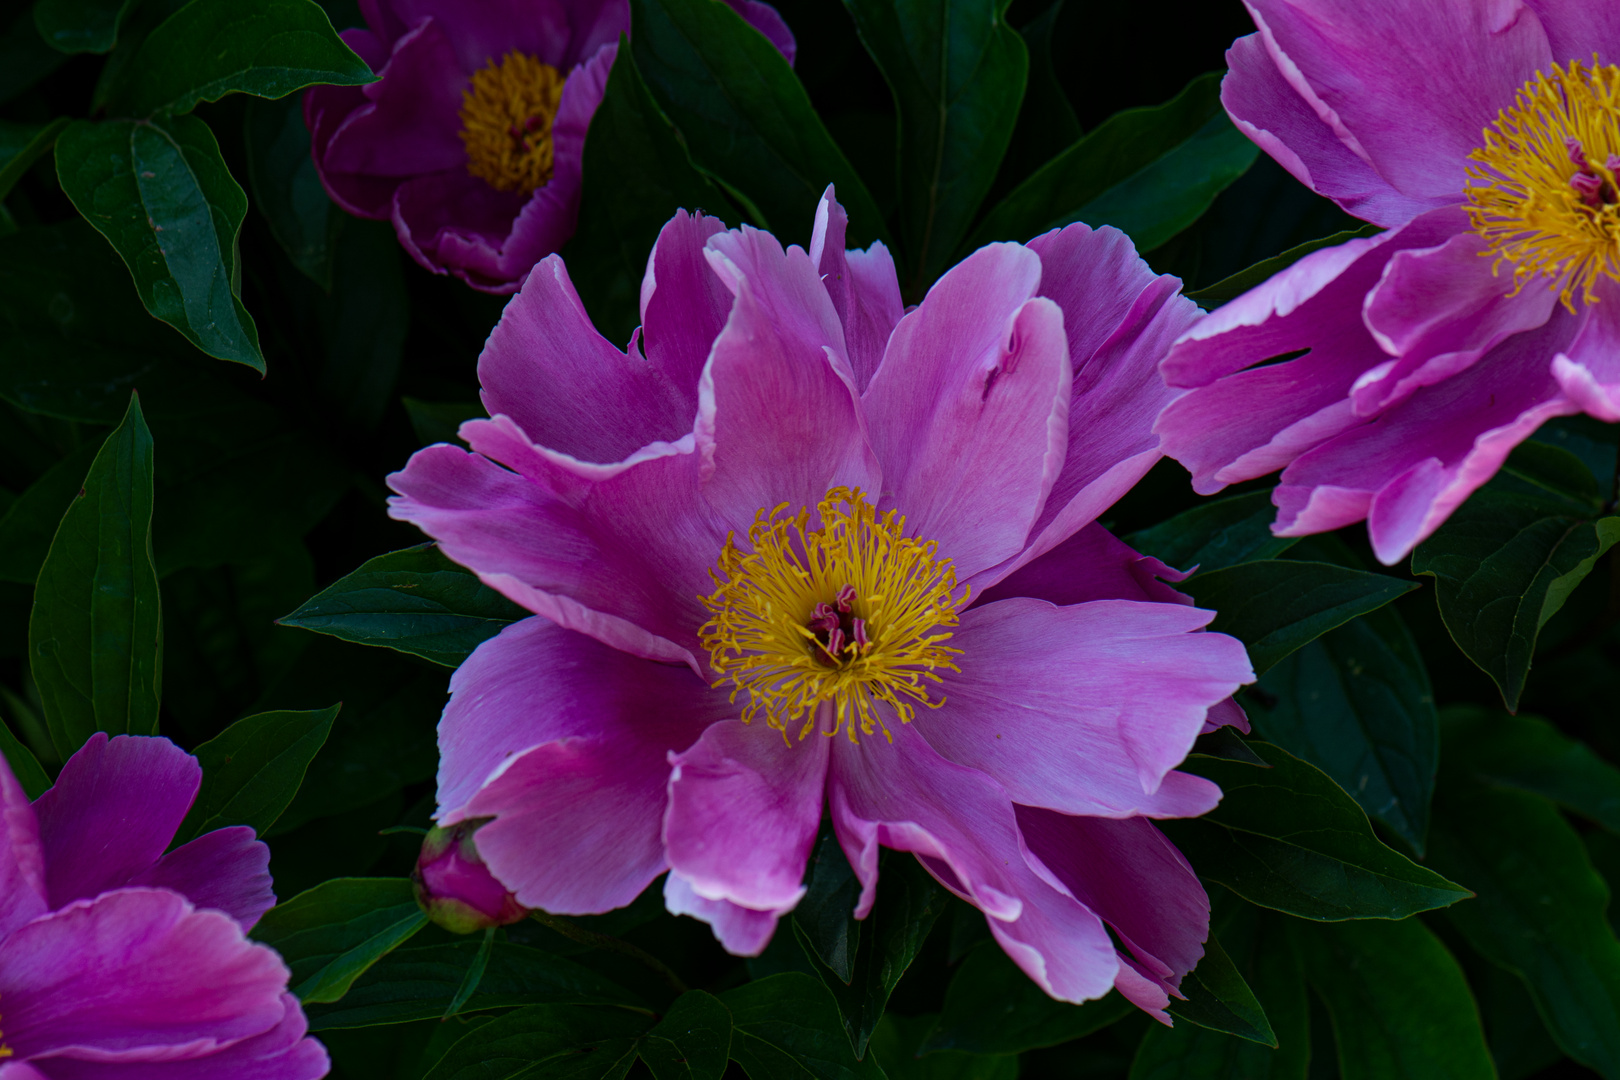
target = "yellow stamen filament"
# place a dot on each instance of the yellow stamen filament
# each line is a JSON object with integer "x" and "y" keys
{"x": 852, "y": 614}
{"x": 506, "y": 118}
{"x": 5, "y": 1051}
{"x": 1546, "y": 195}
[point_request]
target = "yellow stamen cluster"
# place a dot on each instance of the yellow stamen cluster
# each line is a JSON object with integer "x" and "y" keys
{"x": 506, "y": 118}
{"x": 893, "y": 590}
{"x": 1546, "y": 196}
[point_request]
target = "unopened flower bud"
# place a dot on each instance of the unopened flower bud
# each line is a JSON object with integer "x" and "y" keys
{"x": 454, "y": 886}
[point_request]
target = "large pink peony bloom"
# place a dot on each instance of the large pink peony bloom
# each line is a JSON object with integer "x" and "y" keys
{"x": 118, "y": 962}
{"x": 799, "y": 548}
{"x": 1486, "y": 138}
{"x": 471, "y": 141}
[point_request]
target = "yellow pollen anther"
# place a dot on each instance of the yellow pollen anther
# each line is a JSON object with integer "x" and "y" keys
{"x": 506, "y": 117}
{"x": 852, "y": 614}
{"x": 1546, "y": 196}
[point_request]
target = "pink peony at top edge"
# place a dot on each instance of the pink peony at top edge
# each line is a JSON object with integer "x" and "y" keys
{"x": 119, "y": 960}
{"x": 1490, "y": 305}
{"x": 471, "y": 140}
{"x": 797, "y": 548}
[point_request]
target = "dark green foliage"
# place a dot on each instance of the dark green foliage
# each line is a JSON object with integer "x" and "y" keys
{"x": 95, "y": 638}
{"x": 1383, "y": 903}
{"x": 416, "y": 601}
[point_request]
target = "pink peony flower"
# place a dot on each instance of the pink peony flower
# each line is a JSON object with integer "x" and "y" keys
{"x": 118, "y": 962}
{"x": 800, "y": 549}
{"x": 454, "y": 886}
{"x": 1486, "y": 138}
{"x": 471, "y": 141}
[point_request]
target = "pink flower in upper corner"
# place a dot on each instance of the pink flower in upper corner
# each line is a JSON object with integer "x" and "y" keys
{"x": 471, "y": 140}
{"x": 1485, "y": 136}
{"x": 798, "y": 547}
{"x": 120, "y": 961}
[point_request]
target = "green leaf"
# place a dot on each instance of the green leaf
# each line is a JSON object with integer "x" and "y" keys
{"x": 1230, "y": 288}
{"x": 416, "y": 601}
{"x": 692, "y": 1041}
{"x": 991, "y": 1007}
{"x": 95, "y": 638}
{"x": 897, "y": 1039}
{"x": 1151, "y": 172}
{"x": 74, "y": 338}
{"x": 252, "y": 770}
{"x": 1217, "y": 998}
{"x": 1539, "y": 911}
{"x": 23, "y": 144}
{"x": 417, "y": 983}
{"x": 161, "y": 194}
{"x": 825, "y": 917}
{"x": 211, "y": 48}
{"x": 1274, "y": 606}
{"x": 1190, "y": 1052}
{"x": 745, "y": 117}
{"x": 894, "y": 934}
{"x": 553, "y": 1041}
{"x": 786, "y": 1027}
{"x": 78, "y": 26}
{"x": 24, "y": 765}
{"x": 1506, "y": 560}
{"x": 1216, "y": 533}
{"x": 474, "y": 976}
{"x": 1529, "y": 753}
{"x": 27, "y": 528}
{"x": 25, "y": 57}
{"x": 332, "y": 933}
{"x": 957, "y": 73}
{"x": 636, "y": 174}
{"x": 1357, "y": 704}
{"x": 1289, "y": 838}
{"x": 286, "y": 189}
{"x": 1400, "y": 1006}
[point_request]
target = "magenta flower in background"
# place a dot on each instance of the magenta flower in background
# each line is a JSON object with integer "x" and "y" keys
{"x": 120, "y": 961}
{"x": 800, "y": 548}
{"x": 1486, "y": 138}
{"x": 471, "y": 141}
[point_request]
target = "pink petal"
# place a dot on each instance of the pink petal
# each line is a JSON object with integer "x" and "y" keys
{"x": 227, "y": 870}
{"x": 623, "y": 558}
{"x": 960, "y": 824}
{"x": 452, "y": 222}
{"x": 1576, "y": 29}
{"x": 566, "y": 743}
{"x": 1129, "y": 874}
{"x": 1438, "y": 310}
{"x": 1090, "y": 565}
{"x": 1406, "y": 85}
{"x": 412, "y": 118}
{"x": 282, "y": 1053}
{"x": 969, "y": 410}
{"x": 22, "y": 860}
{"x": 1238, "y": 426}
{"x": 114, "y": 809}
{"x": 778, "y": 419}
{"x": 1268, "y": 110}
{"x": 863, "y": 285}
{"x": 136, "y": 974}
{"x": 1088, "y": 708}
{"x": 744, "y": 807}
{"x": 1117, "y": 387}
{"x": 569, "y": 388}
{"x": 741, "y": 931}
{"x": 683, "y": 304}
{"x": 1416, "y": 463}
{"x": 1588, "y": 371}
